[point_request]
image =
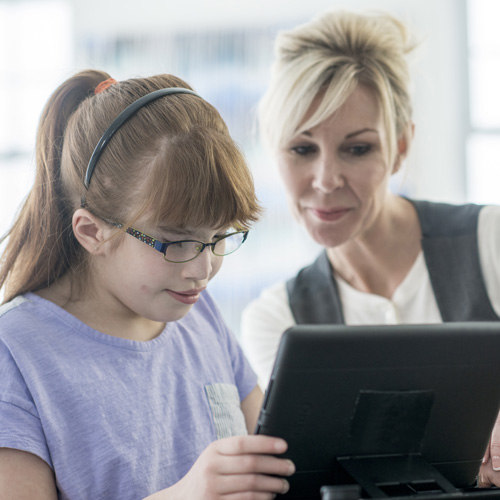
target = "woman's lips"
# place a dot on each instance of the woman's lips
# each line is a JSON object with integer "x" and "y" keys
{"x": 330, "y": 215}
{"x": 188, "y": 297}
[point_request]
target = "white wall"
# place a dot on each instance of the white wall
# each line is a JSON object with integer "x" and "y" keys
{"x": 437, "y": 168}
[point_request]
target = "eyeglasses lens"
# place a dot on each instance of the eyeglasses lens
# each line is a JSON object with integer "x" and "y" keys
{"x": 228, "y": 245}
{"x": 187, "y": 250}
{"x": 182, "y": 251}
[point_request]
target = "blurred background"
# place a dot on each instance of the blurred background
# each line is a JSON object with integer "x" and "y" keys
{"x": 224, "y": 49}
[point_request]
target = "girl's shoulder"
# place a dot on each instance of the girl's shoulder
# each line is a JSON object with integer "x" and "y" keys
{"x": 20, "y": 328}
{"x": 16, "y": 313}
{"x": 27, "y": 316}
{"x": 12, "y": 305}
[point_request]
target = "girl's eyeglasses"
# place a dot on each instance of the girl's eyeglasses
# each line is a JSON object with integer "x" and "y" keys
{"x": 186, "y": 250}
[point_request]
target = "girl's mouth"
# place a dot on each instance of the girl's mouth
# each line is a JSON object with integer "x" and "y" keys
{"x": 188, "y": 297}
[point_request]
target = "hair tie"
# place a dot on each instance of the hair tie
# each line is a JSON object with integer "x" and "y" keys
{"x": 104, "y": 85}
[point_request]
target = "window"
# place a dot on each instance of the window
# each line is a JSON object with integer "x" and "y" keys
{"x": 35, "y": 52}
{"x": 483, "y": 143}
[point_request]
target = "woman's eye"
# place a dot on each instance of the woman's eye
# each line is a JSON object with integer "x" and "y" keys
{"x": 359, "y": 149}
{"x": 303, "y": 150}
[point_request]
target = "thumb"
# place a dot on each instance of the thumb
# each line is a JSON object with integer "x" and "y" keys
{"x": 494, "y": 447}
{"x": 495, "y": 450}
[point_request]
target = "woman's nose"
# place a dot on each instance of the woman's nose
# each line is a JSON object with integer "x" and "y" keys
{"x": 328, "y": 175}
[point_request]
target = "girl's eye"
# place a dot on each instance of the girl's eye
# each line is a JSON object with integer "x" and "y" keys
{"x": 303, "y": 150}
{"x": 178, "y": 245}
{"x": 222, "y": 234}
{"x": 359, "y": 149}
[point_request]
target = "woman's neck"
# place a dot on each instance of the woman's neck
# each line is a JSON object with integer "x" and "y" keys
{"x": 379, "y": 260}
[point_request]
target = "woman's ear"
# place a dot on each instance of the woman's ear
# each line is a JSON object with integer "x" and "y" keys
{"x": 89, "y": 230}
{"x": 404, "y": 143}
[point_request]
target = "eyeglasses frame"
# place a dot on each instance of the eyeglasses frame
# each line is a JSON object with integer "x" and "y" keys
{"x": 162, "y": 246}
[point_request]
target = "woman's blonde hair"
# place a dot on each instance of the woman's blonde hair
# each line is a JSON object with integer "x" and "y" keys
{"x": 334, "y": 54}
{"x": 173, "y": 162}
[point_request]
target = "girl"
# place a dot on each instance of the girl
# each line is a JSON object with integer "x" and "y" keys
{"x": 118, "y": 377}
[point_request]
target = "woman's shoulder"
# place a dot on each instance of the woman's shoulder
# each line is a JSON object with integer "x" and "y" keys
{"x": 489, "y": 250}
{"x": 490, "y": 216}
{"x": 269, "y": 314}
{"x": 439, "y": 219}
{"x": 270, "y": 297}
{"x": 488, "y": 232}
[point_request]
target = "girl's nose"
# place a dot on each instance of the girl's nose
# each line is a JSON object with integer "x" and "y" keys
{"x": 200, "y": 269}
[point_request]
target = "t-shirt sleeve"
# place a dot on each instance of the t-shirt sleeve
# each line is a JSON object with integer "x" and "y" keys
{"x": 20, "y": 424}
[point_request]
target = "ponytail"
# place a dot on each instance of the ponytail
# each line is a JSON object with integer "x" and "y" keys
{"x": 40, "y": 245}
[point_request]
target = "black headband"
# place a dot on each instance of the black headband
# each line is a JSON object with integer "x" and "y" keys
{"x": 122, "y": 118}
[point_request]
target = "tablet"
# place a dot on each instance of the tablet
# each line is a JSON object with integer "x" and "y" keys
{"x": 397, "y": 409}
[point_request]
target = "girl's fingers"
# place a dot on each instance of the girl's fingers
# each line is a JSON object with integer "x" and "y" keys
{"x": 258, "y": 464}
{"x": 241, "y": 445}
{"x": 238, "y": 483}
{"x": 255, "y": 496}
{"x": 241, "y": 465}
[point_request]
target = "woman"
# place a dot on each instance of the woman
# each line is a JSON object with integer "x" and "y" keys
{"x": 338, "y": 118}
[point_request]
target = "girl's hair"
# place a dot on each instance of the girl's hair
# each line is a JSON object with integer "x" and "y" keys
{"x": 333, "y": 54}
{"x": 172, "y": 163}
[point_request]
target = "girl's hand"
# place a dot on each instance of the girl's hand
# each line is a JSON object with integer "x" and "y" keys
{"x": 235, "y": 468}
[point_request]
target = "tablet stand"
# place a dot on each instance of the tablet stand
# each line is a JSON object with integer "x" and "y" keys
{"x": 394, "y": 423}
{"x": 390, "y": 476}
{"x": 398, "y": 476}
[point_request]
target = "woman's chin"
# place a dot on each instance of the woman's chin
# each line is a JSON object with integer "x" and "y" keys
{"x": 327, "y": 238}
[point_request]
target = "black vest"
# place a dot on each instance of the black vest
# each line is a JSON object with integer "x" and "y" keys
{"x": 449, "y": 243}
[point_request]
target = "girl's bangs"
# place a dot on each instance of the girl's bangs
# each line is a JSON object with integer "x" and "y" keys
{"x": 200, "y": 180}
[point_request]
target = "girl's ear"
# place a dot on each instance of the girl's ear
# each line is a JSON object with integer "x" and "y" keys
{"x": 89, "y": 230}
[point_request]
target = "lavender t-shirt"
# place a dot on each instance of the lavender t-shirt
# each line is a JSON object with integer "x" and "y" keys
{"x": 116, "y": 418}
